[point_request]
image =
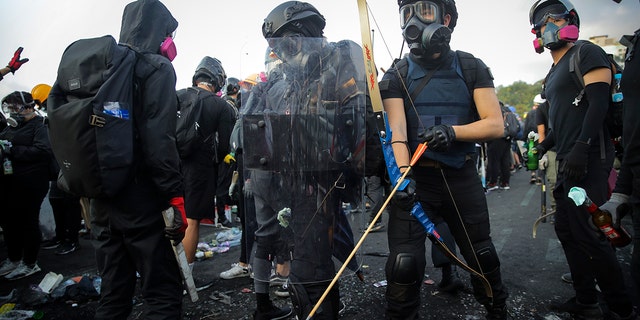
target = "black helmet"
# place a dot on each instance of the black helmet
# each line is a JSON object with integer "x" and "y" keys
{"x": 538, "y": 11}
{"x": 232, "y": 86}
{"x": 289, "y": 16}
{"x": 210, "y": 68}
{"x": 448, "y": 6}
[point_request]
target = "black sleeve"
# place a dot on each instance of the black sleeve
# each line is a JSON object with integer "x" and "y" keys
{"x": 484, "y": 78}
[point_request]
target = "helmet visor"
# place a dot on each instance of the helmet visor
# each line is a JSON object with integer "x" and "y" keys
{"x": 425, "y": 11}
{"x": 553, "y": 16}
{"x": 287, "y": 45}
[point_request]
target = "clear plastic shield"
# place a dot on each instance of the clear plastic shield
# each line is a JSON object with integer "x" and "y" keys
{"x": 303, "y": 150}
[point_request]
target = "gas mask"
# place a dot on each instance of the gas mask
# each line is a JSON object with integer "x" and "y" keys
{"x": 301, "y": 56}
{"x": 555, "y": 37}
{"x": 15, "y": 114}
{"x": 168, "y": 48}
{"x": 423, "y": 29}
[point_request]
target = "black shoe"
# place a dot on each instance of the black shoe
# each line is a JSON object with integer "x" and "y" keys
{"x": 497, "y": 313}
{"x": 579, "y": 310}
{"x": 566, "y": 277}
{"x": 274, "y": 313}
{"x": 451, "y": 284}
{"x": 51, "y": 243}
{"x": 67, "y": 247}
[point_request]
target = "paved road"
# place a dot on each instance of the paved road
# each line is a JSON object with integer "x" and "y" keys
{"x": 531, "y": 270}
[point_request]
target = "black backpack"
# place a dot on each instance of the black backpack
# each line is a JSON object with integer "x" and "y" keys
{"x": 91, "y": 118}
{"x": 511, "y": 124}
{"x": 188, "y": 135}
{"x": 613, "y": 119}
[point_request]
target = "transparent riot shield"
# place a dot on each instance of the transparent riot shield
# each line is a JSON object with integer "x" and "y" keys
{"x": 303, "y": 152}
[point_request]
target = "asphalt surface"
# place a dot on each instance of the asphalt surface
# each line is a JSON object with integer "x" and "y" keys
{"x": 531, "y": 270}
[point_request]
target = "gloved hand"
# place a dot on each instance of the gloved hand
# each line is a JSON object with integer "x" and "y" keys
{"x": 539, "y": 150}
{"x": 575, "y": 164}
{"x": 543, "y": 162}
{"x": 176, "y": 230}
{"x": 439, "y": 138}
{"x": 406, "y": 198}
{"x": 612, "y": 205}
{"x": 229, "y": 158}
{"x": 5, "y": 147}
{"x": 16, "y": 62}
{"x": 234, "y": 188}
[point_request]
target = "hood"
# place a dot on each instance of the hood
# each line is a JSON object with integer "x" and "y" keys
{"x": 145, "y": 24}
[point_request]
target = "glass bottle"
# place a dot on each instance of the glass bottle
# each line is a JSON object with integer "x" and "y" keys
{"x": 601, "y": 219}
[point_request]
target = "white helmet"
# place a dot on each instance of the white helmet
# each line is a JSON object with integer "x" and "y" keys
{"x": 538, "y": 99}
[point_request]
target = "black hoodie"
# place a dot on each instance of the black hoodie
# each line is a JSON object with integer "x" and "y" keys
{"x": 145, "y": 24}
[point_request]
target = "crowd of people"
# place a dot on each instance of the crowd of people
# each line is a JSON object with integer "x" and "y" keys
{"x": 291, "y": 145}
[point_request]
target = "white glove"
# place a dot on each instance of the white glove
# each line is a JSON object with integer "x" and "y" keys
{"x": 614, "y": 202}
{"x": 532, "y": 135}
{"x": 542, "y": 162}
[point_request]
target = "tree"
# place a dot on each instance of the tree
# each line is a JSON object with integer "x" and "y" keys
{"x": 519, "y": 94}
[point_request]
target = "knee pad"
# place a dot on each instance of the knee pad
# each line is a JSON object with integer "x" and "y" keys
{"x": 304, "y": 298}
{"x": 486, "y": 255}
{"x": 404, "y": 270}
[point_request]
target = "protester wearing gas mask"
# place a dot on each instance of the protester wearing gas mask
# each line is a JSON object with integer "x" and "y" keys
{"x": 585, "y": 155}
{"x": 449, "y": 103}
{"x": 24, "y": 182}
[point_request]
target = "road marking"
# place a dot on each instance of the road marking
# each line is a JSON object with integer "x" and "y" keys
{"x": 501, "y": 240}
{"x": 528, "y": 196}
{"x": 554, "y": 251}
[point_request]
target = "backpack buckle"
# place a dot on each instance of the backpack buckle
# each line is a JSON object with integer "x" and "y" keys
{"x": 97, "y": 121}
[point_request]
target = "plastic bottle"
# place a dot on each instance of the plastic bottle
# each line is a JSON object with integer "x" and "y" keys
{"x": 532, "y": 158}
{"x": 7, "y": 166}
{"x": 601, "y": 219}
{"x": 616, "y": 96}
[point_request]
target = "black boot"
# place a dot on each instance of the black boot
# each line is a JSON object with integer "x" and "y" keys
{"x": 451, "y": 282}
{"x": 497, "y": 312}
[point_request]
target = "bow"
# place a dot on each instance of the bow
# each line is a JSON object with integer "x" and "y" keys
{"x": 397, "y": 177}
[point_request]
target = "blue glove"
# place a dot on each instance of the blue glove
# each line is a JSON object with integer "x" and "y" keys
{"x": 406, "y": 199}
{"x": 574, "y": 165}
{"x": 439, "y": 138}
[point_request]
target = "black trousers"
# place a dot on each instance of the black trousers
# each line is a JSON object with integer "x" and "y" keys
{"x": 67, "y": 213}
{"x": 440, "y": 191}
{"x": 499, "y": 161}
{"x": 128, "y": 235}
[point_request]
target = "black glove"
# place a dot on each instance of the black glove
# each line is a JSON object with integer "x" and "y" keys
{"x": 406, "y": 198}
{"x": 176, "y": 229}
{"x": 16, "y": 62}
{"x": 574, "y": 165}
{"x": 439, "y": 137}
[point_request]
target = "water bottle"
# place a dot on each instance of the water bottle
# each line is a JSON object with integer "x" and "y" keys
{"x": 616, "y": 96}
{"x": 619, "y": 237}
{"x": 532, "y": 158}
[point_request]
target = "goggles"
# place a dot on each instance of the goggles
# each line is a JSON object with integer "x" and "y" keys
{"x": 9, "y": 108}
{"x": 425, "y": 11}
{"x": 287, "y": 45}
{"x": 553, "y": 16}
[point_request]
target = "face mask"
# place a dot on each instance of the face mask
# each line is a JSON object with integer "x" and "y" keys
{"x": 168, "y": 48}
{"x": 555, "y": 37}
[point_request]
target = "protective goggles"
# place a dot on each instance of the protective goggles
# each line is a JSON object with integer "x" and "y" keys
{"x": 425, "y": 11}
{"x": 8, "y": 108}
{"x": 287, "y": 45}
{"x": 553, "y": 16}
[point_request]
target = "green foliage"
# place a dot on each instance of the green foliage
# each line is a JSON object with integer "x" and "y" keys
{"x": 519, "y": 94}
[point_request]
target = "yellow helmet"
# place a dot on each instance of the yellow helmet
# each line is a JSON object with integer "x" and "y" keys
{"x": 40, "y": 92}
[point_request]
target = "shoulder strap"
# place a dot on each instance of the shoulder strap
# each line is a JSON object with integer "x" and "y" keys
{"x": 469, "y": 66}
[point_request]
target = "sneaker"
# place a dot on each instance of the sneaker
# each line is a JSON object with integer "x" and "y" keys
{"x": 533, "y": 180}
{"x": 538, "y": 182}
{"x": 277, "y": 280}
{"x": 282, "y": 291}
{"x": 567, "y": 278}
{"x": 22, "y": 271}
{"x": 67, "y": 247}
{"x": 52, "y": 243}
{"x": 505, "y": 186}
{"x": 575, "y": 308}
{"x": 236, "y": 271}
{"x": 274, "y": 313}
{"x": 8, "y": 266}
{"x": 492, "y": 186}
{"x": 377, "y": 227}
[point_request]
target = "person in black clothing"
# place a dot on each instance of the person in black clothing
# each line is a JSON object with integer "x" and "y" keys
{"x": 128, "y": 230}
{"x": 26, "y": 153}
{"x": 450, "y": 117}
{"x": 547, "y": 163}
{"x": 311, "y": 136}
{"x": 499, "y": 158}
{"x": 530, "y": 125}
{"x": 627, "y": 189}
{"x": 585, "y": 155}
{"x": 200, "y": 169}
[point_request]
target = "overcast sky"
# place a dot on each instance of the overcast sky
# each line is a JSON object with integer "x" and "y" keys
{"x": 497, "y": 31}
